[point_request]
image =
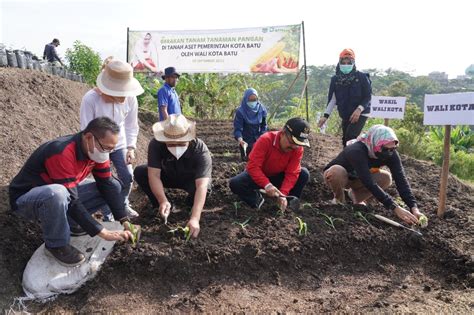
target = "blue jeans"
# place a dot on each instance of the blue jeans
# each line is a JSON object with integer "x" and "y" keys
{"x": 243, "y": 186}
{"x": 49, "y": 205}
{"x": 124, "y": 172}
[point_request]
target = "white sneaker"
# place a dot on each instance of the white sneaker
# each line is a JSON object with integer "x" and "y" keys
{"x": 130, "y": 212}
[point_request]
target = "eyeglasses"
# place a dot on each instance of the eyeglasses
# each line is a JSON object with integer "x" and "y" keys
{"x": 102, "y": 147}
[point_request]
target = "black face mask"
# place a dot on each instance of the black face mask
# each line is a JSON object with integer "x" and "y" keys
{"x": 385, "y": 154}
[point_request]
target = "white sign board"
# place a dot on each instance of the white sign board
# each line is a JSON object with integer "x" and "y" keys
{"x": 387, "y": 107}
{"x": 274, "y": 49}
{"x": 449, "y": 109}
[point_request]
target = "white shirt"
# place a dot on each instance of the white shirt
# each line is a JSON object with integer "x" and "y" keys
{"x": 125, "y": 115}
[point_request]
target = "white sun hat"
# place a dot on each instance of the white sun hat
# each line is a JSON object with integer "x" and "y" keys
{"x": 176, "y": 128}
{"x": 116, "y": 79}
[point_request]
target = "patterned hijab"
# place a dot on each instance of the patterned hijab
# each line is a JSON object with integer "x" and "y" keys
{"x": 375, "y": 138}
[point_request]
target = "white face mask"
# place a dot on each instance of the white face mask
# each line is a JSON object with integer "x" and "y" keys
{"x": 97, "y": 156}
{"x": 177, "y": 151}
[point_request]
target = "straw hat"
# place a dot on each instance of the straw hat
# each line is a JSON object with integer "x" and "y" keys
{"x": 116, "y": 79}
{"x": 176, "y": 128}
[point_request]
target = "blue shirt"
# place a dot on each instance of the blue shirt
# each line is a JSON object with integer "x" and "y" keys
{"x": 168, "y": 97}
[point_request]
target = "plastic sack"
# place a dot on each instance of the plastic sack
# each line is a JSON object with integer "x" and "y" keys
{"x": 44, "y": 277}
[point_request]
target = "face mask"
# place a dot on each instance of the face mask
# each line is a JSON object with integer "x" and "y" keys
{"x": 177, "y": 151}
{"x": 252, "y": 105}
{"x": 385, "y": 154}
{"x": 97, "y": 156}
{"x": 346, "y": 68}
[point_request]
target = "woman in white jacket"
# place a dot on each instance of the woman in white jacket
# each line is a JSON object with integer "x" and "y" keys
{"x": 116, "y": 97}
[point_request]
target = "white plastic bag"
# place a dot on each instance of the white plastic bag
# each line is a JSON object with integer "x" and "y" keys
{"x": 44, "y": 277}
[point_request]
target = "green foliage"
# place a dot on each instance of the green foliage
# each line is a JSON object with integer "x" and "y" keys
{"x": 244, "y": 224}
{"x": 302, "y": 227}
{"x": 186, "y": 232}
{"x": 82, "y": 59}
{"x": 151, "y": 85}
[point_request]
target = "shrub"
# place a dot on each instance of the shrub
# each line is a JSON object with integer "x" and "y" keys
{"x": 82, "y": 59}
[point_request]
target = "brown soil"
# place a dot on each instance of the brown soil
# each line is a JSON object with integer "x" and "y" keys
{"x": 266, "y": 267}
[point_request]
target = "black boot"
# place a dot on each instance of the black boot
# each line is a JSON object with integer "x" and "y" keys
{"x": 67, "y": 255}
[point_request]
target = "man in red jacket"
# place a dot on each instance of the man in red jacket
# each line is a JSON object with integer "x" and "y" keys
{"x": 275, "y": 165}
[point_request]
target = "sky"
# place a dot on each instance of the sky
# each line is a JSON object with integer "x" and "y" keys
{"x": 415, "y": 36}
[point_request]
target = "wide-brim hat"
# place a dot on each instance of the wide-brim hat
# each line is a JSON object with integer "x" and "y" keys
{"x": 116, "y": 79}
{"x": 176, "y": 128}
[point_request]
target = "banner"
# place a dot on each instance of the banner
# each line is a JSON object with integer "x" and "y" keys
{"x": 272, "y": 49}
{"x": 449, "y": 109}
{"x": 387, "y": 107}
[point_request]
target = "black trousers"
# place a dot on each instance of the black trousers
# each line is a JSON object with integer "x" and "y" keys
{"x": 141, "y": 177}
{"x": 352, "y": 131}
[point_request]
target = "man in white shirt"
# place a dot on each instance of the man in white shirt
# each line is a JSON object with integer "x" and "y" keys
{"x": 115, "y": 97}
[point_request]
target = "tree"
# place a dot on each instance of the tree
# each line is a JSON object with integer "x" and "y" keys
{"x": 82, "y": 59}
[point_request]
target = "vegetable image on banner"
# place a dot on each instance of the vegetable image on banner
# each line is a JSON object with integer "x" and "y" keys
{"x": 259, "y": 50}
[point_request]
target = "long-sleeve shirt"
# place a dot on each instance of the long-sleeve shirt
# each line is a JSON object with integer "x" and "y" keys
{"x": 355, "y": 159}
{"x": 349, "y": 97}
{"x": 50, "y": 53}
{"x": 125, "y": 115}
{"x": 250, "y": 129}
{"x": 267, "y": 159}
{"x": 62, "y": 161}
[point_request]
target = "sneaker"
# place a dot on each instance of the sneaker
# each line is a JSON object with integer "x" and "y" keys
{"x": 130, "y": 212}
{"x": 260, "y": 200}
{"x": 68, "y": 255}
{"x": 76, "y": 230}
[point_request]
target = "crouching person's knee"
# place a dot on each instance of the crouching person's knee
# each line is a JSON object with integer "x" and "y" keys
{"x": 385, "y": 179}
{"x": 56, "y": 194}
{"x": 304, "y": 176}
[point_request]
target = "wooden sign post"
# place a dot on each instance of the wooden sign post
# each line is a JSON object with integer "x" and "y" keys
{"x": 448, "y": 110}
{"x": 444, "y": 171}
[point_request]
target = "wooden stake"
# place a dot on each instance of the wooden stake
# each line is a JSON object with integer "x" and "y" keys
{"x": 444, "y": 171}
{"x": 385, "y": 121}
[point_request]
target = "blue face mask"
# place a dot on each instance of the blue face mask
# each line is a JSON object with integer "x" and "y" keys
{"x": 252, "y": 105}
{"x": 346, "y": 68}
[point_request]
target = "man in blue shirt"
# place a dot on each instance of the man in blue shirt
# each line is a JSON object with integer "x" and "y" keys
{"x": 50, "y": 53}
{"x": 168, "y": 100}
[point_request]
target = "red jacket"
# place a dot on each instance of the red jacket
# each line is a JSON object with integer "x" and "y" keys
{"x": 266, "y": 159}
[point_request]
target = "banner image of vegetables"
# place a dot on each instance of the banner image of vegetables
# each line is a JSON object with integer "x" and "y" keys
{"x": 283, "y": 57}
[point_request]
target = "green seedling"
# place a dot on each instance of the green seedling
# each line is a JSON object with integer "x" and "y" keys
{"x": 185, "y": 231}
{"x": 330, "y": 220}
{"x": 244, "y": 224}
{"x": 135, "y": 230}
{"x": 303, "y": 227}
{"x": 306, "y": 205}
{"x": 423, "y": 221}
{"x": 359, "y": 215}
{"x": 236, "y": 206}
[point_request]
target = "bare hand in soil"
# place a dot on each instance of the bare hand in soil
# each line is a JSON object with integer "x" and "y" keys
{"x": 115, "y": 235}
{"x": 165, "y": 209}
{"x": 282, "y": 203}
{"x": 406, "y": 216}
{"x": 194, "y": 227}
{"x": 272, "y": 191}
{"x": 130, "y": 158}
